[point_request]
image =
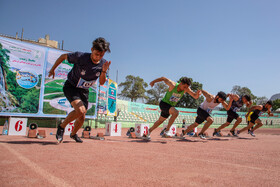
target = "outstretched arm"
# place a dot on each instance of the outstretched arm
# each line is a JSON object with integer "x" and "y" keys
{"x": 192, "y": 93}
{"x": 256, "y": 107}
{"x": 269, "y": 112}
{"x": 227, "y": 106}
{"x": 57, "y": 63}
{"x": 209, "y": 97}
{"x": 167, "y": 81}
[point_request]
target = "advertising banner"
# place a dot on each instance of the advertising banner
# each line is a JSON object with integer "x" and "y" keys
{"x": 20, "y": 76}
{"x": 103, "y": 93}
{"x": 26, "y": 89}
{"x": 112, "y": 98}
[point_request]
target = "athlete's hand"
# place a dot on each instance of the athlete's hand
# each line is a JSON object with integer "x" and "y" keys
{"x": 52, "y": 73}
{"x": 198, "y": 92}
{"x": 106, "y": 65}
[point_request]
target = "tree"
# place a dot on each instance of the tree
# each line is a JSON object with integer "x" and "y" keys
{"x": 261, "y": 100}
{"x": 275, "y": 104}
{"x": 4, "y": 58}
{"x": 243, "y": 91}
{"x": 156, "y": 93}
{"x": 188, "y": 101}
{"x": 133, "y": 88}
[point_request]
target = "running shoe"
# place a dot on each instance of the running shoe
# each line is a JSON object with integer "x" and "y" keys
{"x": 76, "y": 138}
{"x": 167, "y": 134}
{"x": 252, "y": 133}
{"x": 202, "y": 136}
{"x": 59, "y": 134}
{"x": 162, "y": 132}
{"x": 233, "y": 133}
{"x": 216, "y": 133}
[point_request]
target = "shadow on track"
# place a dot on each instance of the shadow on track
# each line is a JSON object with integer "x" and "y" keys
{"x": 30, "y": 142}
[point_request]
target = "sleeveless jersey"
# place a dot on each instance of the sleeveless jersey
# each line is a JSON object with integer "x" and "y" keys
{"x": 236, "y": 105}
{"x": 172, "y": 97}
{"x": 208, "y": 107}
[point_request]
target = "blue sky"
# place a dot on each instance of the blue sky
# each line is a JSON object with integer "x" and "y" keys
{"x": 217, "y": 43}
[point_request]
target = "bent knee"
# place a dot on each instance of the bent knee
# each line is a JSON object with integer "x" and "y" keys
{"x": 239, "y": 120}
{"x": 176, "y": 113}
{"x": 210, "y": 120}
{"x": 81, "y": 112}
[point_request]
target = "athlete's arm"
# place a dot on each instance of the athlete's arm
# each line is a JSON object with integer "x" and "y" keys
{"x": 57, "y": 63}
{"x": 167, "y": 81}
{"x": 256, "y": 107}
{"x": 227, "y": 106}
{"x": 192, "y": 93}
{"x": 269, "y": 112}
{"x": 105, "y": 67}
{"x": 234, "y": 96}
{"x": 209, "y": 97}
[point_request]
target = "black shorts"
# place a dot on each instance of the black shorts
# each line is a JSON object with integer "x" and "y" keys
{"x": 231, "y": 115}
{"x": 202, "y": 115}
{"x": 73, "y": 93}
{"x": 254, "y": 117}
{"x": 164, "y": 109}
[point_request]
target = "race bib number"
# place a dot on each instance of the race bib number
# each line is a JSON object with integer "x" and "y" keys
{"x": 236, "y": 109}
{"x": 174, "y": 99}
{"x": 85, "y": 84}
{"x": 209, "y": 111}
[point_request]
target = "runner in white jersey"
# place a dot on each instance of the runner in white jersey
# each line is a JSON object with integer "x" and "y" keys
{"x": 205, "y": 109}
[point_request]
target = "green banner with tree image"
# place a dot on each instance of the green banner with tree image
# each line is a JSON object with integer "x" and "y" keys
{"x": 26, "y": 89}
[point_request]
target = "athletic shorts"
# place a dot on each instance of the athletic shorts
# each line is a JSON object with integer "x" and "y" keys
{"x": 202, "y": 115}
{"x": 231, "y": 115}
{"x": 73, "y": 93}
{"x": 164, "y": 109}
{"x": 254, "y": 117}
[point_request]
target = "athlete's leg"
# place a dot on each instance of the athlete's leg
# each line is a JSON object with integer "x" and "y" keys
{"x": 259, "y": 124}
{"x": 78, "y": 124}
{"x": 157, "y": 123}
{"x": 223, "y": 126}
{"x": 238, "y": 121}
{"x": 174, "y": 114}
{"x": 190, "y": 128}
{"x": 79, "y": 110}
{"x": 207, "y": 124}
{"x": 246, "y": 128}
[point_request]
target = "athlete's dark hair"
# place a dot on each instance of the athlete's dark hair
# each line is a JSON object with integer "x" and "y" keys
{"x": 186, "y": 80}
{"x": 100, "y": 44}
{"x": 269, "y": 102}
{"x": 247, "y": 97}
{"x": 222, "y": 95}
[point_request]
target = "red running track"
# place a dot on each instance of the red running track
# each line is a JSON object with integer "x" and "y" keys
{"x": 120, "y": 161}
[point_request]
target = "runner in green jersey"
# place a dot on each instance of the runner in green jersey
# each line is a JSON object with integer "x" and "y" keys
{"x": 171, "y": 98}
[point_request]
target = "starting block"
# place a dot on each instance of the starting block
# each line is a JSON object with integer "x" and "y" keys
{"x": 85, "y": 134}
{"x": 42, "y": 133}
{"x": 32, "y": 133}
{"x": 100, "y": 136}
{"x": 131, "y": 134}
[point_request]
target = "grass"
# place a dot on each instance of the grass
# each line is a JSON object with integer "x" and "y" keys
{"x": 48, "y": 109}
